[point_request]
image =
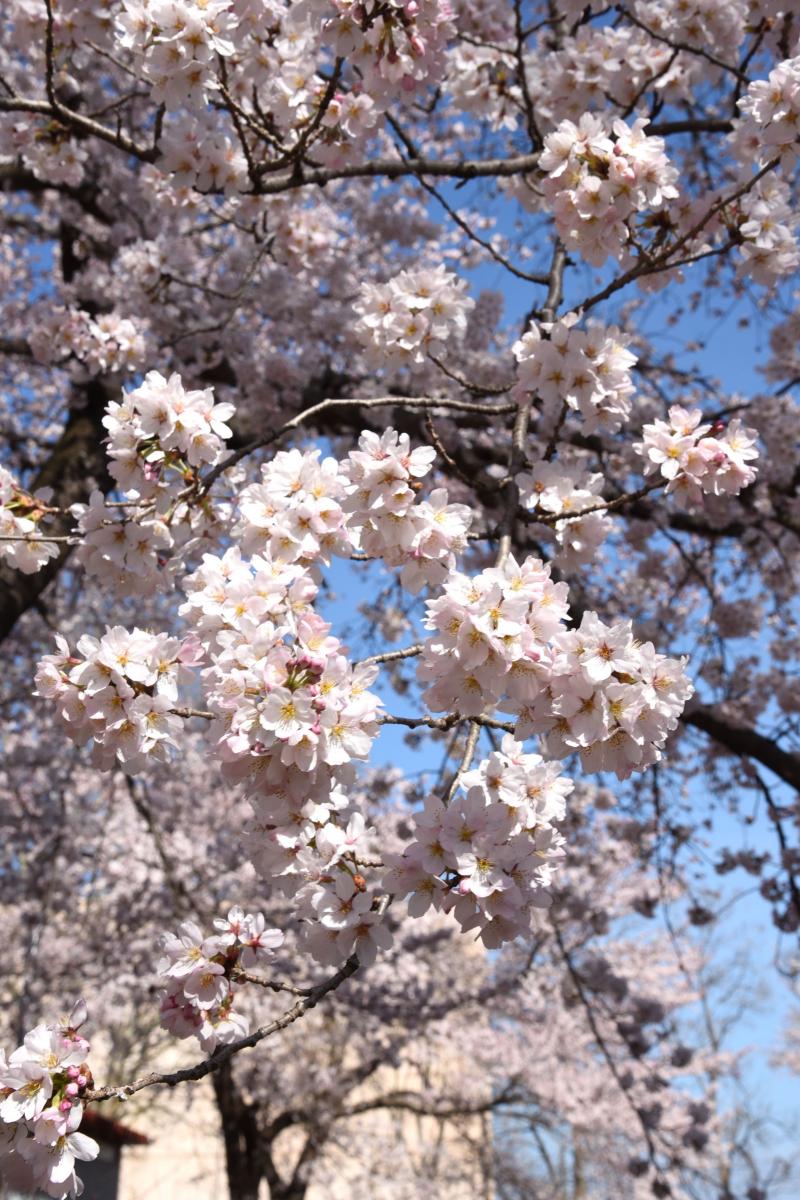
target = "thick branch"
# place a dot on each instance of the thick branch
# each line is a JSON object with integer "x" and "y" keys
{"x": 77, "y": 463}
{"x": 392, "y": 168}
{"x": 745, "y": 741}
{"x": 411, "y": 1102}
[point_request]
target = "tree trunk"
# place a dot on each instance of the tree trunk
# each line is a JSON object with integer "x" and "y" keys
{"x": 244, "y": 1146}
{"x": 77, "y": 462}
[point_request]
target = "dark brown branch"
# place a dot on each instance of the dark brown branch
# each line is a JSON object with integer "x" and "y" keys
{"x": 393, "y": 168}
{"x": 77, "y": 462}
{"x": 226, "y": 1053}
{"x": 423, "y": 402}
{"x": 746, "y": 742}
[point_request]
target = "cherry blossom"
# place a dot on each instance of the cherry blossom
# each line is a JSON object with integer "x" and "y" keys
{"x": 413, "y": 315}
{"x": 42, "y": 1084}
{"x": 21, "y": 543}
{"x": 694, "y": 463}
{"x": 202, "y": 975}
{"x": 598, "y": 178}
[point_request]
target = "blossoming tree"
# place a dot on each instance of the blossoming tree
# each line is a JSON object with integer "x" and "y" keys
{"x": 246, "y": 354}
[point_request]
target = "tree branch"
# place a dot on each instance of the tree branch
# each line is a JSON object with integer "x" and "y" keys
{"x": 226, "y": 1053}
{"x": 746, "y": 742}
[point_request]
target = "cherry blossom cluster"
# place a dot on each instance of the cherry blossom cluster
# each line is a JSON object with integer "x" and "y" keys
{"x": 411, "y": 316}
{"x": 104, "y": 344}
{"x": 769, "y": 248}
{"x": 45, "y": 147}
{"x": 199, "y": 152}
{"x": 342, "y": 912}
{"x": 305, "y": 509}
{"x": 423, "y": 537}
{"x": 491, "y": 635}
{"x": 295, "y": 512}
{"x": 717, "y": 26}
{"x": 500, "y": 641}
{"x": 160, "y": 435}
{"x": 120, "y": 691}
{"x": 771, "y": 121}
{"x": 75, "y": 23}
{"x": 291, "y": 698}
{"x": 489, "y": 855}
{"x": 226, "y": 590}
{"x": 291, "y": 716}
{"x": 286, "y": 694}
{"x": 179, "y": 43}
{"x": 21, "y": 544}
{"x": 597, "y": 179}
{"x": 285, "y": 70}
{"x": 597, "y": 63}
{"x": 202, "y": 975}
{"x": 42, "y": 1085}
{"x": 698, "y": 458}
{"x": 588, "y": 369}
{"x": 127, "y": 551}
{"x": 161, "y": 432}
{"x": 398, "y": 44}
{"x": 609, "y": 697}
{"x": 480, "y": 81}
{"x": 348, "y": 120}
{"x": 562, "y": 490}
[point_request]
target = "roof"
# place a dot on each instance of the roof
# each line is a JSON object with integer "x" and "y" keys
{"x": 112, "y": 1133}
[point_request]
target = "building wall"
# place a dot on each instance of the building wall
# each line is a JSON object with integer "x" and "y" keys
{"x": 186, "y": 1159}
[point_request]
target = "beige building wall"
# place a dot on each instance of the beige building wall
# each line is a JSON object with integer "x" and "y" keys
{"x": 185, "y": 1159}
